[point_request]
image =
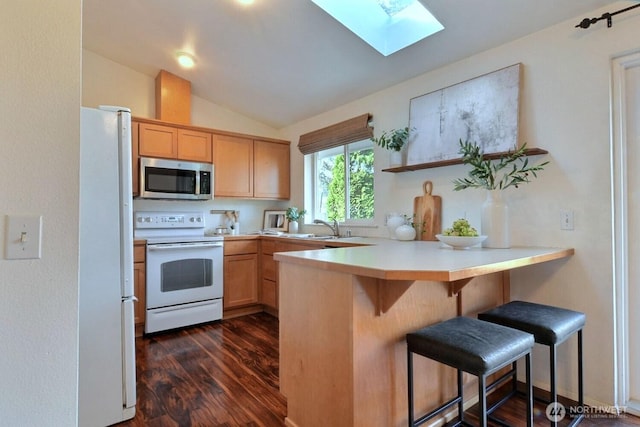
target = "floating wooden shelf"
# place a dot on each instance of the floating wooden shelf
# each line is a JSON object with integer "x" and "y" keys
{"x": 528, "y": 152}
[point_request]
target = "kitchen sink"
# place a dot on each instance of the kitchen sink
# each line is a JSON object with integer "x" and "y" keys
{"x": 317, "y": 237}
{"x": 311, "y": 236}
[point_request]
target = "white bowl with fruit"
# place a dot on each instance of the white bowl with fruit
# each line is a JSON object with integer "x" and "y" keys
{"x": 461, "y": 235}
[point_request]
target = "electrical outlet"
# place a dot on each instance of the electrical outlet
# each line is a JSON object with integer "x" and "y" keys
{"x": 566, "y": 220}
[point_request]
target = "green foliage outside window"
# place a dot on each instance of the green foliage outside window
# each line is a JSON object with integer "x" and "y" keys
{"x": 361, "y": 197}
{"x": 336, "y": 199}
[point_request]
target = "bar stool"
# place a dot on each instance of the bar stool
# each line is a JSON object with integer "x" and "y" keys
{"x": 473, "y": 346}
{"x": 550, "y": 326}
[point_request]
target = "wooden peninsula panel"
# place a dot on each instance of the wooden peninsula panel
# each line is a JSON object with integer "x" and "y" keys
{"x": 344, "y": 314}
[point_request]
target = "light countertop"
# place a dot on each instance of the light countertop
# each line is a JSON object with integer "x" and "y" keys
{"x": 420, "y": 260}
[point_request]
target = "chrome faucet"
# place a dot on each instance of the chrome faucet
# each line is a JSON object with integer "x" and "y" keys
{"x": 335, "y": 228}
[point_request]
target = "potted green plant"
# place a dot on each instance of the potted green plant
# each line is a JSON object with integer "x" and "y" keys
{"x": 510, "y": 170}
{"x": 393, "y": 140}
{"x": 293, "y": 215}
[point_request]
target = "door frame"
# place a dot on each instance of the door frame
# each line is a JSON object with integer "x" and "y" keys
{"x": 620, "y": 194}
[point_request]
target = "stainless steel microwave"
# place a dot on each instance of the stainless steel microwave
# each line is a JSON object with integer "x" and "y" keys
{"x": 175, "y": 179}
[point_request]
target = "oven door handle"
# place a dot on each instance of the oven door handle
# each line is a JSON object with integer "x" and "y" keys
{"x": 163, "y": 247}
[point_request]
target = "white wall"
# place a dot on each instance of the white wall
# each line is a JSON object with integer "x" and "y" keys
{"x": 564, "y": 109}
{"x": 39, "y": 143}
{"x": 107, "y": 82}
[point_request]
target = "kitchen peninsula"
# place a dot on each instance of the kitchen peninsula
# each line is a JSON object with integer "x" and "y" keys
{"x": 344, "y": 314}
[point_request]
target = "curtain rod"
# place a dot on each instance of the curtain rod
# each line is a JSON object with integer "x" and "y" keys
{"x": 586, "y": 22}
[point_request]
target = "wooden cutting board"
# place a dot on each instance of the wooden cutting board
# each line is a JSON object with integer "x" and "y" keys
{"x": 427, "y": 211}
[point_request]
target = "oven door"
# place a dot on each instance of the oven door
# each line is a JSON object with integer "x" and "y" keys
{"x": 179, "y": 273}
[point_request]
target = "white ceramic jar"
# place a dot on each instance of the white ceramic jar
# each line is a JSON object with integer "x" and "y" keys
{"x": 394, "y": 220}
{"x": 405, "y": 232}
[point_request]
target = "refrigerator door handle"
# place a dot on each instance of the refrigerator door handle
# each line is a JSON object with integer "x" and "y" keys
{"x": 126, "y": 200}
{"x": 129, "y": 353}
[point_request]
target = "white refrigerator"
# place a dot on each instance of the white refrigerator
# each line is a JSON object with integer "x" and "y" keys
{"x": 107, "y": 376}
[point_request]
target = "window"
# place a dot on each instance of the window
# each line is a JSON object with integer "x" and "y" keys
{"x": 386, "y": 25}
{"x": 338, "y": 171}
{"x": 342, "y": 182}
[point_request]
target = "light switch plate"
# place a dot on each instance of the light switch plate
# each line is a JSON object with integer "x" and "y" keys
{"x": 23, "y": 237}
{"x": 566, "y": 220}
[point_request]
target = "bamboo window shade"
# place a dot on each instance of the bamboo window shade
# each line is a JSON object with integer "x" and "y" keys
{"x": 348, "y": 131}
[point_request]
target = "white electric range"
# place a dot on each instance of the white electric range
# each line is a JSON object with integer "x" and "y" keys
{"x": 184, "y": 269}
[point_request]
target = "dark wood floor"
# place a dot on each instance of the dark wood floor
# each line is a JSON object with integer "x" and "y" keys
{"x": 222, "y": 374}
{"x": 225, "y": 374}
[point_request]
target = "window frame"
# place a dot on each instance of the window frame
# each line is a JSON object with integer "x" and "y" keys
{"x": 311, "y": 182}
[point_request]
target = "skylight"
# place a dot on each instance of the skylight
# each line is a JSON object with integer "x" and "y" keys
{"x": 386, "y": 25}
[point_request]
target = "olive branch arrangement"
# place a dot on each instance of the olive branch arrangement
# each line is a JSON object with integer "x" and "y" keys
{"x": 485, "y": 173}
{"x": 393, "y": 139}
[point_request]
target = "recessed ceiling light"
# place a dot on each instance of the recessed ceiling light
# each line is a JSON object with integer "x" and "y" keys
{"x": 185, "y": 59}
{"x": 386, "y": 25}
{"x": 245, "y": 2}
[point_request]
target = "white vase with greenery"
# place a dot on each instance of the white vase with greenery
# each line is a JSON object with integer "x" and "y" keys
{"x": 406, "y": 232}
{"x": 293, "y": 215}
{"x": 494, "y": 220}
{"x": 393, "y": 140}
{"x": 495, "y": 176}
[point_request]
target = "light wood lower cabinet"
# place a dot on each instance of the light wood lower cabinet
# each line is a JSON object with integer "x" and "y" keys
{"x": 241, "y": 294}
{"x": 139, "y": 284}
{"x": 269, "y": 269}
{"x": 268, "y": 279}
{"x": 240, "y": 280}
{"x": 247, "y": 288}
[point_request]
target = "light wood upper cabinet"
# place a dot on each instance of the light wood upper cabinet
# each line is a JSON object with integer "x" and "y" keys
{"x": 194, "y": 146}
{"x": 271, "y": 170}
{"x": 157, "y": 141}
{"x": 250, "y": 168}
{"x": 233, "y": 166}
{"x": 245, "y": 166}
{"x": 168, "y": 142}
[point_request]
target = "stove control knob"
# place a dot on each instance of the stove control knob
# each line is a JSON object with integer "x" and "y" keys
{"x": 198, "y": 219}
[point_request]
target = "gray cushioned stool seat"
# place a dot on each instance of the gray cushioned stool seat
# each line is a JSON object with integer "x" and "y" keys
{"x": 550, "y": 325}
{"x": 474, "y": 346}
{"x": 470, "y": 345}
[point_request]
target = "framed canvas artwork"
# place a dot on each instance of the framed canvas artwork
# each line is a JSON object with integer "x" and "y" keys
{"x": 483, "y": 110}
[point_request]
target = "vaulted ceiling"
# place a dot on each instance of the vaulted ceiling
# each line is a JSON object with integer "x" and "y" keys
{"x": 281, "y": 61}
